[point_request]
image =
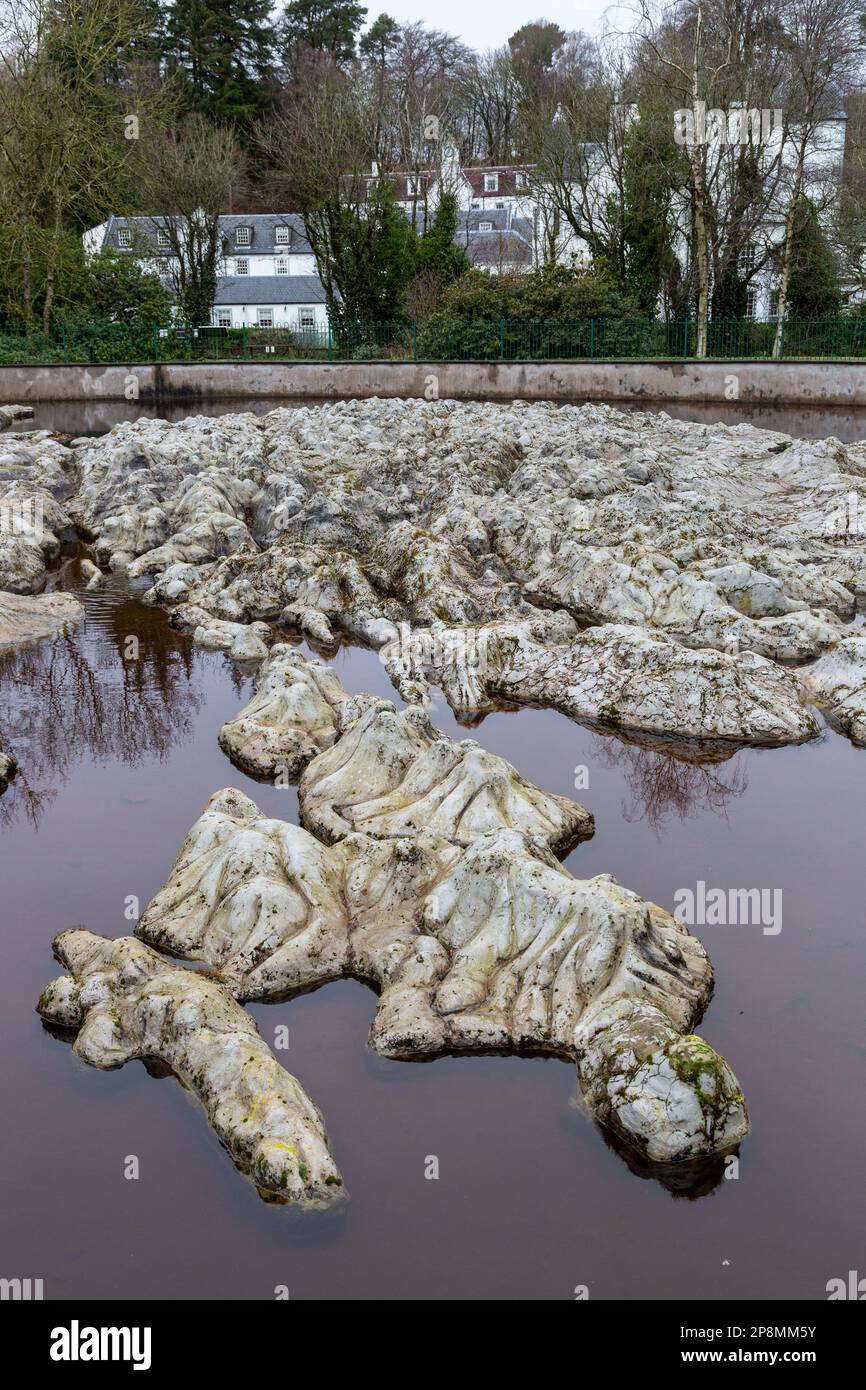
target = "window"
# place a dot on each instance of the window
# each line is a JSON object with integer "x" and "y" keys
{"x": 500, "y": 205}
{"x": 265, "y": 317}
{"x": 281, "y": 236}
{"x": 281, "y": 266}
{"x": 485, "y": 226}
{"x": 412, "y": 188}
{"x": 242, "y": 267}
{"x": 750, "y": 304}
{"x": 124, "y": 237}
{"x": 491, "y": 183}
{"x": 774, "y": 304}
{"x": 307, "y": 318}
{"x": 162, "y": 241}
{"x": 746, "y": 260}
{"x": 475, "y": 203}
{"x": 242, "y": 236}
{"x": 520, "y": 180}
{"x": 223, "y": 318}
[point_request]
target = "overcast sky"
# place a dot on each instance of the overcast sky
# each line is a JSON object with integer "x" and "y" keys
{"x": 487, "y": 23}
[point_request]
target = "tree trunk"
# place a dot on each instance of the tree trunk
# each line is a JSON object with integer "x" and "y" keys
{"x": 26, "y": 285}
{"x": 701, "y": 252}
{"x": 788, "y": 250}
{"x": 702, "y": 268}
{"x": 51, "y": 266}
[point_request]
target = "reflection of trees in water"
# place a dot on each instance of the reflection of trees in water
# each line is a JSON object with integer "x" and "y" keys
{"x": 673, "y": 779}
{"x": 83, "y": 696}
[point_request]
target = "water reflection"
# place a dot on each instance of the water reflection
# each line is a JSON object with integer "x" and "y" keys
{"x": 123, "y": 687}
{"x": 673, "y": 780}
{"x": 126, "y": 687}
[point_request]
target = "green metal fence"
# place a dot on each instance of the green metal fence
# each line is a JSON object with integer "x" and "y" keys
{"x": 440, "y": 339}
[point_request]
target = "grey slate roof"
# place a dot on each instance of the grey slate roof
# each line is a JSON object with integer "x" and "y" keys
{"x": 498, "y": 217}
{"x": 270, "y": 289}
{"x": 261, "y": 225}
{"x": 498, "y": 249}
{"x": 510, "y": 242}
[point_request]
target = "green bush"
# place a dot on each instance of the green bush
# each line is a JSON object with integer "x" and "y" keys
{"x": 545, "y": 313}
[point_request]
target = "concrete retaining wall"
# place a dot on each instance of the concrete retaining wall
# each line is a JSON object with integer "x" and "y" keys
{"x": 197, "y": 383}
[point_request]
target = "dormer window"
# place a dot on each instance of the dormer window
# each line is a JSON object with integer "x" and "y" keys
{"x": 520, "y": 180}
{"x": 491, "y": 183}
{"x": 281, "y": 236}
{"x": 124, "y": 237}
{"x": 242, "y": 267}
{"x": 281, "y": 266}
{"x": 162, "y": 241}
{"x": 485, "y": 226}
{"x": 242, "y": 236}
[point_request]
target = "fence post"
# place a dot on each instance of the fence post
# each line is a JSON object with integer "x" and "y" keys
{"x": 686, "y": 339}
{"x": 414, "y": 340}
{"x": 782, "y": 338}
{"x": 330, "y": 342}
{"x": 65, "y": 343}
{"x": 244, "y": 341}
{"x": 592, "y": 337}
{"x": 502, "y": 340}
{"x": 156, "y": 343}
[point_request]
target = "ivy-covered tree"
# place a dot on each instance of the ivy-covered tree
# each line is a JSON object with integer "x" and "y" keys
{"x": 646, "y": 217}
{"x": 437, "y": 248}
{"x": 222, "y": 51}
{"x": 371, "y": 254}
{"x": 813, "y": 286}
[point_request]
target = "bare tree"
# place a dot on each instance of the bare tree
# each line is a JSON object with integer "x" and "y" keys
{"x": 824, "y": 40}
{"x": 491, "y": 95}
{"x": 322, "y": 148}
{"x": 188, "y": 175}
{"x": 573, "y": 139}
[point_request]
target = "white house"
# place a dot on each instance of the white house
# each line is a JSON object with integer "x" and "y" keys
{"x": 777, "y": 146}
{"x": 506, "y": 223}
{"x": 503, "y": 210}
{"x": 267, "y": 273}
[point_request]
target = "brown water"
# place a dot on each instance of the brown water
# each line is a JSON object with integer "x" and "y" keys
{"x": 804, "y": 422}
{"x": 117, "y": 762}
